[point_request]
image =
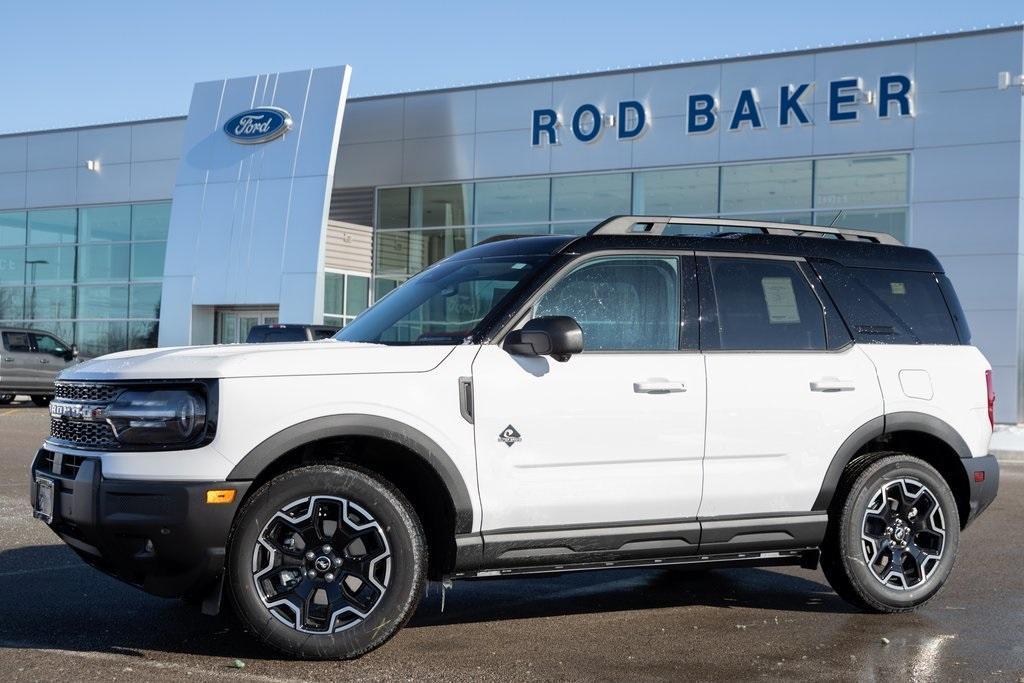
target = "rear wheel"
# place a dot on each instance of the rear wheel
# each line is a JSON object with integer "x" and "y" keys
{"x": 893, "y": 538}
{"x": 42, "y": 401}
{"x": 326, "y": 562}
{"x": 6, "y": 399}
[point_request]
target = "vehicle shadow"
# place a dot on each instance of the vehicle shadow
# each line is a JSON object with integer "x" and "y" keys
{"x": 20, "y": 402}
{"x": 53, "y": 601}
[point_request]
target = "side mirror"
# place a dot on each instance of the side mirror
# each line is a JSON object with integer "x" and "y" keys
{"x": 558, "y": 336}
{"x": 73, "y": 353}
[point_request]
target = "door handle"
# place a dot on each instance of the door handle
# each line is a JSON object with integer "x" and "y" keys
{"x": 8, "y": 359}
{"x": 658, "y": 386}
{"x": 832, "y": 384}
{"x": 44, "y": 361}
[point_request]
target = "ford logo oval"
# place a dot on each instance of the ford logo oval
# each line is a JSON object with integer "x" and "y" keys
{"x": 261, "y": 124}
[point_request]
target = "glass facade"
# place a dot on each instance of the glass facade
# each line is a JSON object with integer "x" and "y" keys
{"x": 346, "y": 295}
{"x": 416, "y": 226}
{"x": 90, "y": 275}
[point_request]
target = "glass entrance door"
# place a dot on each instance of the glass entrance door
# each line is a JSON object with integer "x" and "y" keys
{"x": 233, "y": 324}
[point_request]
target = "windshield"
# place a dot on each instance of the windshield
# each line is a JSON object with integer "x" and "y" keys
{"x": 444, "y": 304}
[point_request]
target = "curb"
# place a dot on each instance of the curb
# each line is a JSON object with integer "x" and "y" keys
{"x": 1009, "y": 456}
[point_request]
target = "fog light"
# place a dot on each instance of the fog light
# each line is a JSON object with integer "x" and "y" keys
{"x": 220, "y": 496}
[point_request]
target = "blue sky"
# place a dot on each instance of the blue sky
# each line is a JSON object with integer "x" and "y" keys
{"x": 74, "y": 63}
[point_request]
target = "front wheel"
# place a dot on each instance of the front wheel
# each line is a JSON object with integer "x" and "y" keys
{"x": 6, "y": 399}
{"x": 892, "y": 541}
{"x": 326, "y": 562}
{"x": 41, "y": 401}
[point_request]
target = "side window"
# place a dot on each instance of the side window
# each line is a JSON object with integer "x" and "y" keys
{"x": 17, "y": 341}
{"x": 765, "y": 305}
{"x": 622, "y": 303}
{"x": 47, "y": 344}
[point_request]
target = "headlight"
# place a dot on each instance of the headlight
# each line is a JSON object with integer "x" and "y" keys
{"x": 162, "y": 417}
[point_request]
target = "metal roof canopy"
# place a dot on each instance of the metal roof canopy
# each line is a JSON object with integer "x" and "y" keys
{"x": 655, "y": 225}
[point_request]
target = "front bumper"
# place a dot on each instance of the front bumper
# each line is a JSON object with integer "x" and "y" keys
{"x": 983, "y": 492}
{"x": 161, "y": 536}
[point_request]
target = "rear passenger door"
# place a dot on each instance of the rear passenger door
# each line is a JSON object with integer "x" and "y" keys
{"x": 786, "y": 387}
{"x": 16, "y": 360}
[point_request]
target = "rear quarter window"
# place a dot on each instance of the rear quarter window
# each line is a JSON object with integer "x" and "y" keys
{"x": 892, "y": 306}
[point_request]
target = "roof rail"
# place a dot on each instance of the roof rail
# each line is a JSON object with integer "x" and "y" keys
{"x": 655, "y": 225}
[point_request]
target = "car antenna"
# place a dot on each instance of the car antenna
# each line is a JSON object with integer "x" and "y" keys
{"x": 838, "y": 216}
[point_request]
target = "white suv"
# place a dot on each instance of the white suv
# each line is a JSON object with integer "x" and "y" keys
{"x": 764, "y": 394}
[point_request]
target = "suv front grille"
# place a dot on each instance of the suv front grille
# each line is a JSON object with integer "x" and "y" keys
{"x": 86, "y": 391}
{"x": 91, "y": 435}
{"x": 77, "y": 433}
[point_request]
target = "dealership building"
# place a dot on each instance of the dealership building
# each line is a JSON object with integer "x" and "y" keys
{"x": 279, "y": 198}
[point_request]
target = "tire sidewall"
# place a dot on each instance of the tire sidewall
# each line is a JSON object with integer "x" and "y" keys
{"x": 863, "y": 491}
{"x": 388, "y": 508}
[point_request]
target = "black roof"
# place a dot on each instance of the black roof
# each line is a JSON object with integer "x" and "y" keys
{"x": 850, "y": 253}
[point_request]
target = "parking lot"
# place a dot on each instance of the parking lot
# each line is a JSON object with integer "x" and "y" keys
{"x": 61, "y": 620}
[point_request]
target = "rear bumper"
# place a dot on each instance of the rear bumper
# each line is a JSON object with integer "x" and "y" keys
{"x": 983, "y": 492}
{"x": 160, "y": 536}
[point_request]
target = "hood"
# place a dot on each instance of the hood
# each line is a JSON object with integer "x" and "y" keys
{"x": 327, "y": 357}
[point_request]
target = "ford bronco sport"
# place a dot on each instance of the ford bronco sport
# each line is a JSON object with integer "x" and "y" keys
{"x": 639, "y": 396}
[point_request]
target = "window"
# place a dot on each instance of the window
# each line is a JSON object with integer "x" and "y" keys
{"x": 513, "y": 201}
{"x": 49, "y": 303}
{"x": 105, "y": 224}
{"x": 151, "y": 221}
{"x": 56, "y": 226}
{"x": 680, "y": 192}
{"x": 594, "y": 197}
{"x": 145, "y": 301}
{"x": 12, "y": 303}
{"x": 12, "y": 266}
{"x": 12, "y": 229}
{"x": 103, "y": 302}
{"x": 622, "y": 303}
{"x": 393, "y": 208}
{"x": 444, "y": 304}
{"x": 102, "y": 262}
{"x": 357, "y": 295}
{"x": 441, "y": 205}
{"x": 766, "y": 187}
{"x": 860, "y": 181}
{"x": 345, "y": 296}
{"x": 100, "y": 338}
{"x": 765, "y": 305}
{"x": 47, "y": 344}
{"x": 50, "y": 265}
{"x": 892, "y": 306}
{"x": 148, "y": 260}
{"x": 17, "y": 341}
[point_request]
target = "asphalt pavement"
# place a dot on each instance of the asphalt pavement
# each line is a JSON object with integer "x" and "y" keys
{"x": 61, "y": 620}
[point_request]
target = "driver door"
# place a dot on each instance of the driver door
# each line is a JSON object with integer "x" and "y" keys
{"x": 51, "y": 356}
{"x": 612, "y": 438}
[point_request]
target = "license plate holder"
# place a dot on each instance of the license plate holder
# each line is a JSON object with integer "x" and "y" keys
{"x": 43, "y": 504}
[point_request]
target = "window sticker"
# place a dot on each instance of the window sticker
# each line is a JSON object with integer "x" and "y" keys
{"x": 898, "y": 288}
{"x": 780, "y": 299}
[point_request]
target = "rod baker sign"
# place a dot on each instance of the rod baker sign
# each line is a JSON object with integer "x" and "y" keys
{"x": 845, "y": 101}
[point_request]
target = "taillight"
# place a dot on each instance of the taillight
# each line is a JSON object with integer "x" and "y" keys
{"x": 991, "y": 399}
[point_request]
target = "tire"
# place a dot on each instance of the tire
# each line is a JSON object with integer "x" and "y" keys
{"x": 882, "y": 552}
{"x": 282, "y": 564}
{"x": 6, "y": 399}
{"x": 42, "y": 401}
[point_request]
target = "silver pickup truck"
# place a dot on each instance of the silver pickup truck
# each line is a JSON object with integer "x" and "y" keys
{"x": 29, "y": 362}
